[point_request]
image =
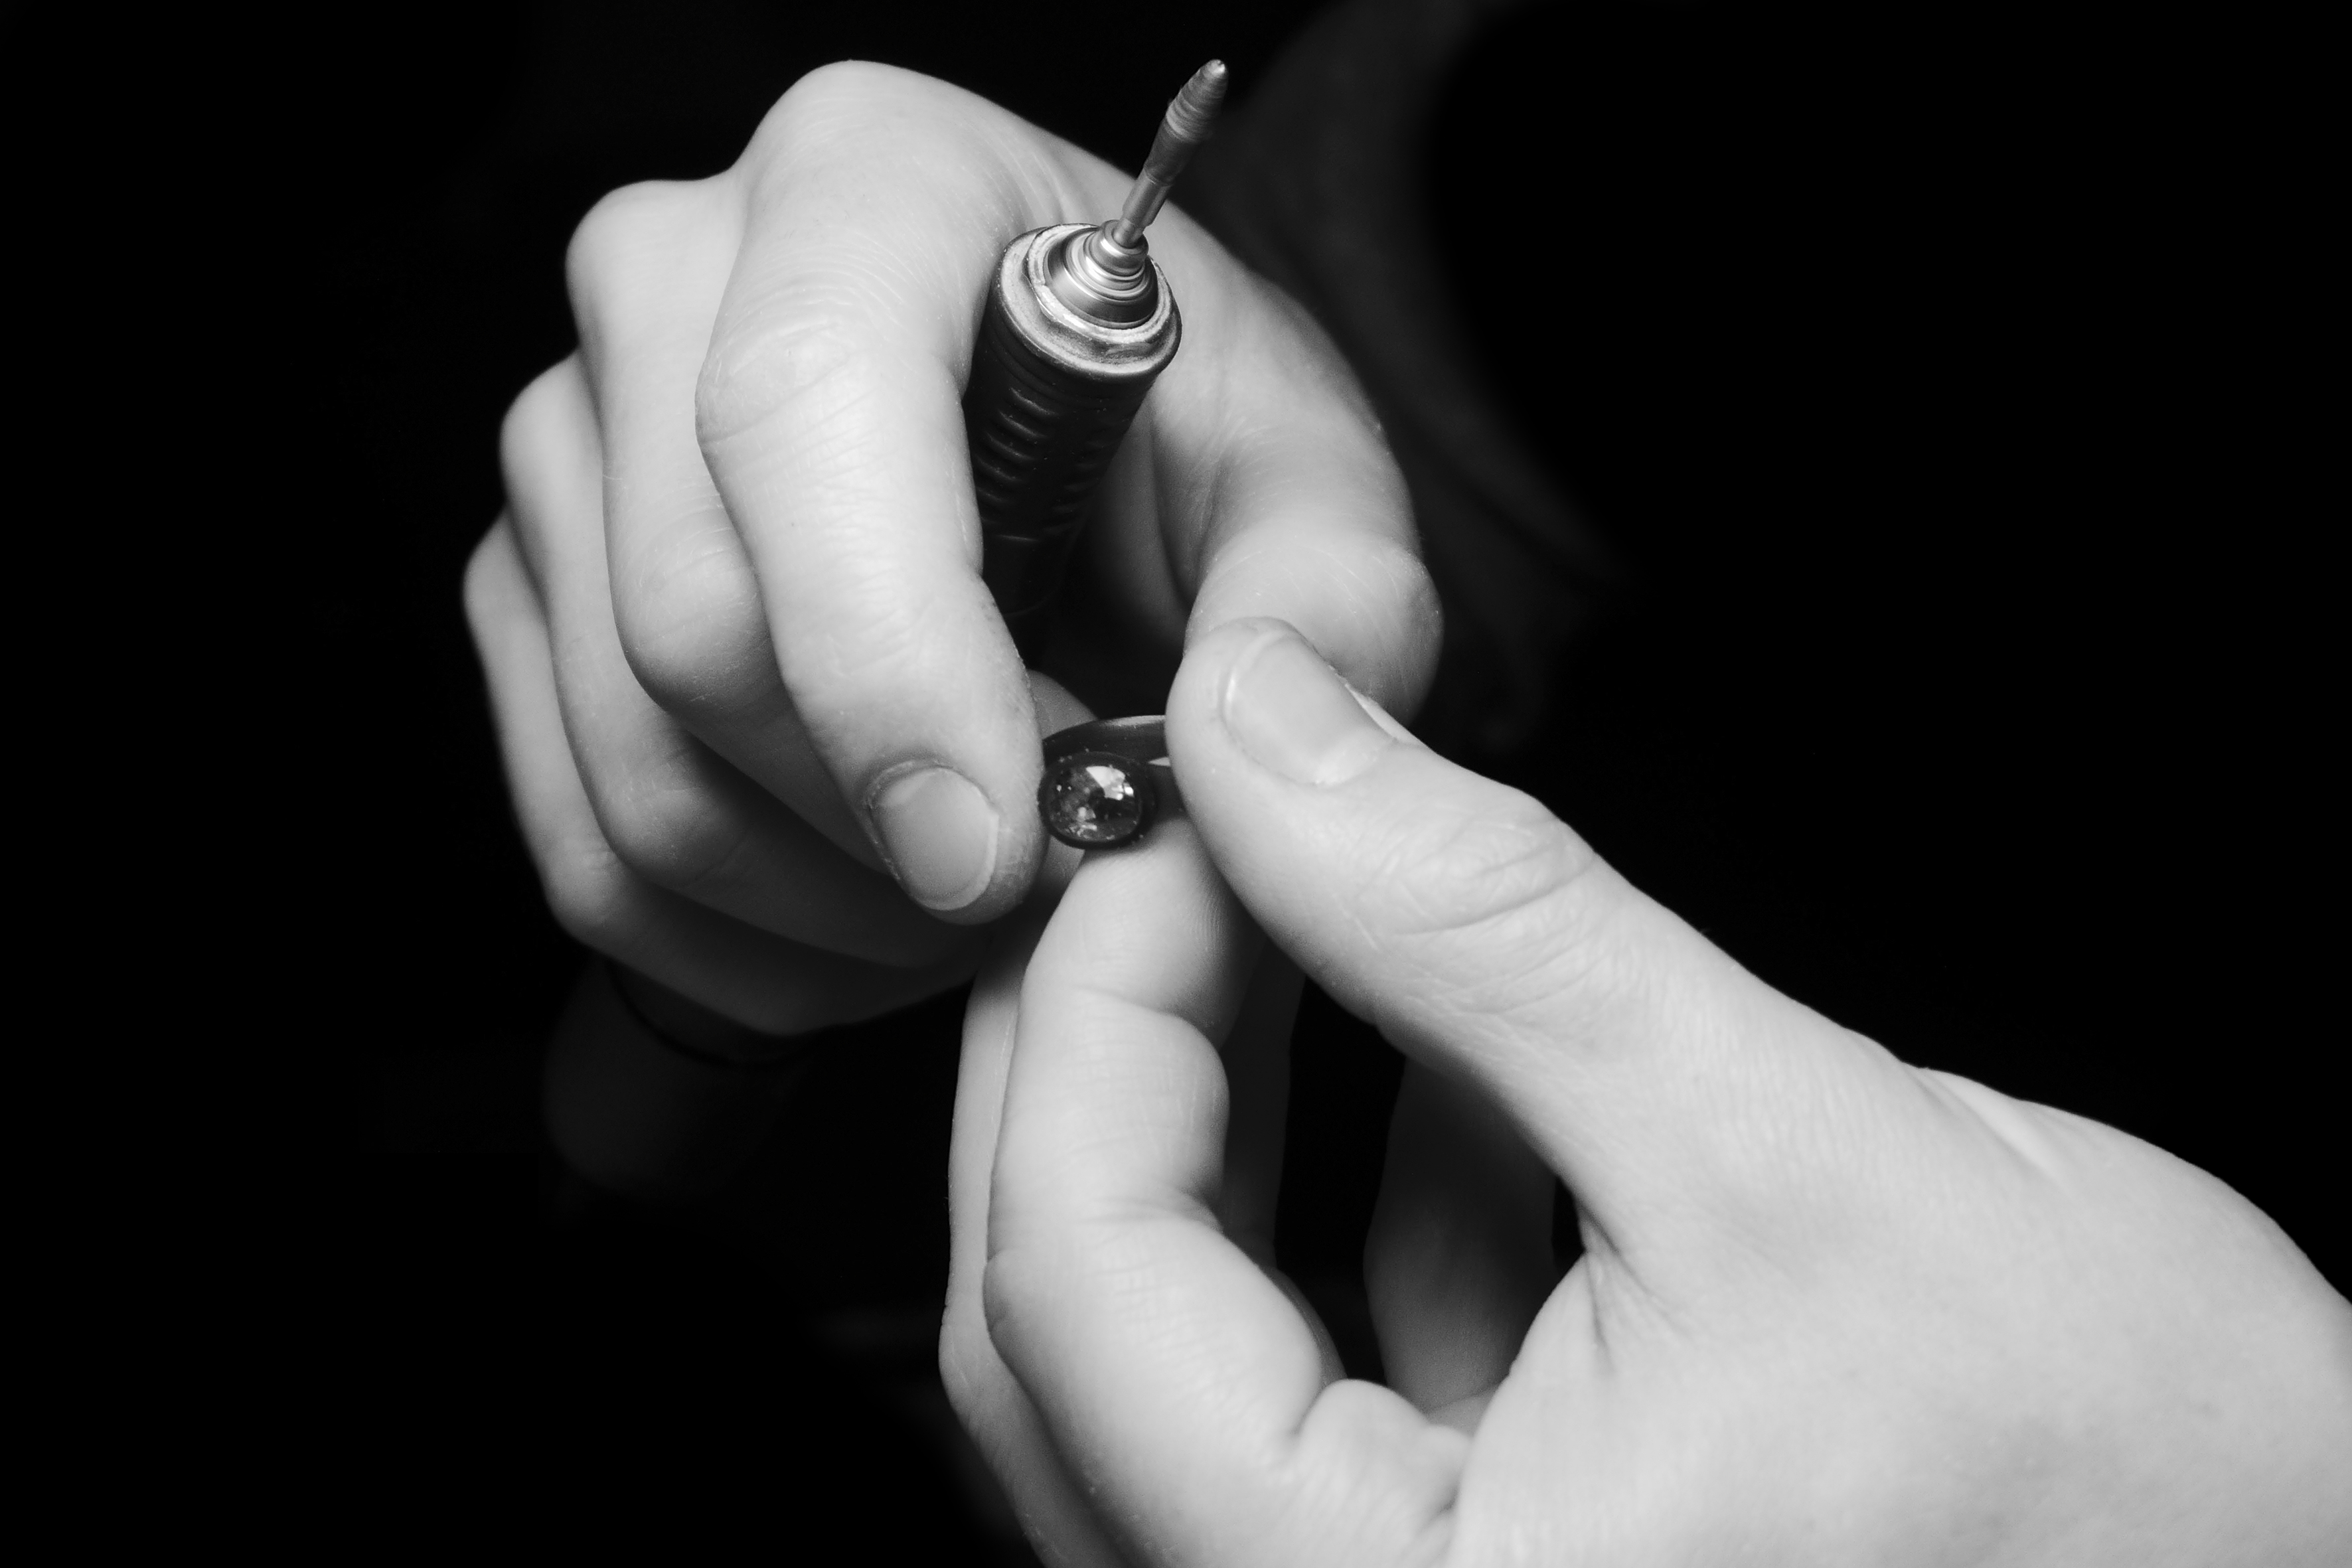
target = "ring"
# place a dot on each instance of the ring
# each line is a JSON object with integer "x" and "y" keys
{"x": 1098, "y": 791}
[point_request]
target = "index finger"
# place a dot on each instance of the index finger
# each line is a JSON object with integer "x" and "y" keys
{"x": 829, "y": 415}
{"x": 1175, "y": 1375}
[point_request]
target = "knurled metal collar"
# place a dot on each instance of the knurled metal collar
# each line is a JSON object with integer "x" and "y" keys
{"x": 1089, "y": 348}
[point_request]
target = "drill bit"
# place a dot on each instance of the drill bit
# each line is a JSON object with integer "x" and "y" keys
{"x": 1191, "y": 115}
{"x": 1105, "y": 271}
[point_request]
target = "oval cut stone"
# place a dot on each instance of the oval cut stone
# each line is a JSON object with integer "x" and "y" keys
{"x": 1094, "y": 801}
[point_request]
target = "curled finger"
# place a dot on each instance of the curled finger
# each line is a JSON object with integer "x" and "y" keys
{"x": 1177, "y": 1378}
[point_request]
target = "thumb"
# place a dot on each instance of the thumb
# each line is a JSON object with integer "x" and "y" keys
{"x": 1671, "y": 1090}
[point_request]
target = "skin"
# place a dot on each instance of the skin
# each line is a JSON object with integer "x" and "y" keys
{"x": 735, "y": 597}
{"x": 1831, "y": 1309}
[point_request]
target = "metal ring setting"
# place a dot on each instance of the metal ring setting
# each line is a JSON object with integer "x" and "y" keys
{"x": 1099, "y": 790}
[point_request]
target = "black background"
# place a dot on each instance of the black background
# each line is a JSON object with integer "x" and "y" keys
{"x": 1926, "y": 374}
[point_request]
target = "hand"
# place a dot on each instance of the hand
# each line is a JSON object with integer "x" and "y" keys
{"x": 771, "y": 746}
{"x": 1830, "y": 1310}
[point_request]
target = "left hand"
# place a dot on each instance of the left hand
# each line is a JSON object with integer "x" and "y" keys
{"x": 770, "y": 743}
{"x": 1831, "y": 1309}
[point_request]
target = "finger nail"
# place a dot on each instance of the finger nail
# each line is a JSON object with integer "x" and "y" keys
{"x": 939, "y": 833}
{"x": 1292, "y": 713}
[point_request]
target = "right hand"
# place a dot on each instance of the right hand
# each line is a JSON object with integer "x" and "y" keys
{"x": 770, "y": 743}
{"x": 1833, "y": 1312}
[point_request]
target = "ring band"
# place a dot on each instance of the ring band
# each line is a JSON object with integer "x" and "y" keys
{"x": 1142, "y": 739}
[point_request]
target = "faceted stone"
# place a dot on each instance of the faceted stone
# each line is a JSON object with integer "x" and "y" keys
{"x": 1094, "y": 801}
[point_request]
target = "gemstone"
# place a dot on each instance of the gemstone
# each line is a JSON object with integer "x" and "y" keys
{"x": 1094, "y": 801}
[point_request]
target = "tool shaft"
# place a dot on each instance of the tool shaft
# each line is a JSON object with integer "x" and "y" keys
{"x": 1191, "y": 115}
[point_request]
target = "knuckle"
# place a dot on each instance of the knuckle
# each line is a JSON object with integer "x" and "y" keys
{"x": 800, "y": 349}
{"x": 1497, "y": 898}
{"x": 965, "y": 1361}
{"x": 1471, "y": 858}
{"x": 1007, "y": 1287}
{"x": 530, "y": 435}
{"x": 830, "y": 296}
{"x": 588, "y": 891}
{"x": 693, "y": 630}
{"x": 858, "y": 81}
{"x": 618, "y": 253}
{"x": 666, "y": 831}
{"x": 480, "y": 589}
{"x": 833, "y": 99}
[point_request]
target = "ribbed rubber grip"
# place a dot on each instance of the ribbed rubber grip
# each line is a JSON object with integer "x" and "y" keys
{"x": 1041, "y": 436}
{"x": 1050, "y": 395}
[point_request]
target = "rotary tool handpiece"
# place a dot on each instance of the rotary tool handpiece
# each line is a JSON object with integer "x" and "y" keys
{"x": 1079, "y": 323}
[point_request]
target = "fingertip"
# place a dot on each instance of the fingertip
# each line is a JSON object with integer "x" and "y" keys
{"x": 1268, "y": 693}
{"x": 951, "y": 848}
{"x": 493, "y": 580}
{"x": 1365, "y": 602}
{"x": 1209, "y": 658}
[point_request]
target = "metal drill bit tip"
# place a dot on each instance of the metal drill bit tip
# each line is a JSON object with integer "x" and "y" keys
{"x": 1106, "y": 272}
{"x": 1193, "y": 110}
{"x": 1191, "y": 115}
